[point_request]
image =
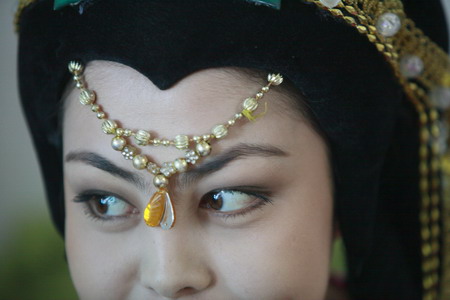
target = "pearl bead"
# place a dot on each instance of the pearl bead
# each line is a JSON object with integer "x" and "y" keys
{"x": 180, "y": 164}
{"x": 160, "y": 181}
{"x": 388, "y": 24}
{"x": 203, "y": 148}
{"x": 140, "y": 162}
{"x": 411, "y": 66}
{"x": 118, "y": 143}
{"x": 330, "y": 3}
{"x": 440, "y": 97}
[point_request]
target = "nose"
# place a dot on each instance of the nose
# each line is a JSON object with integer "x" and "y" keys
{"x": 173, "y": 264}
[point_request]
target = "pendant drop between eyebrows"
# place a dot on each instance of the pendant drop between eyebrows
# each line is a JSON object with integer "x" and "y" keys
{"x": 160, "y": 210}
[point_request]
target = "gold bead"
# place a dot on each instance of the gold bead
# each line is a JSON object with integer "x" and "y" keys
{"x": 156, "y": 142}
{"x": 87, "y": 97}
{"x": 265, "y": 89}
{"x": 165, "y": 143}
{"x": 118, "y": 143}
{"x": 250, "y": 104}
{"x": 109, "y": 126}
{"x": 79, "y": 85}
{"x": 160, "y": 181}
{"x": 196, "y": 138}
{"x": 127, "y": 132}
{"x": 181, "y": 141}
{"x": 238, "y": 116}
{"x": 203, "y": 148}
{"x": 119, "y": 131}
{"x": 75, "y": 68}
{"x": 231, "y": 122}
{"x": 275, "y": 79}
{"x": 180, "y": 164}
{"x": 142, "y": 137}
{"x": 219, "y": 131}
{"x": 101, "y": 115}
{"x": 206, "y": 137}
{"x": 259, "y": 95}
{"x": 95, "y": 108}
{"x": 140, "y": 162}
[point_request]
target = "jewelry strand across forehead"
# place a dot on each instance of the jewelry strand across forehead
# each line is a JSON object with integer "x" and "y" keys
{"x": 160, "y": 210}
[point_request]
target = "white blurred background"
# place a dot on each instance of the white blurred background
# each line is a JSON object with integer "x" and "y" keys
{"x": 22, "y": 197}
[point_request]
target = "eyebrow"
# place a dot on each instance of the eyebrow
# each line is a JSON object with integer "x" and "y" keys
{"x": 186, "y": 178}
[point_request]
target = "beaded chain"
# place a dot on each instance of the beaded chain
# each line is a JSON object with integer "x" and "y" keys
{"x": 160, "y": 210}
{"x": 423, "y": 69}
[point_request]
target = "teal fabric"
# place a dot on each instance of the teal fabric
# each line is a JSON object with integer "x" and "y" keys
{"x": 58, "y": 4}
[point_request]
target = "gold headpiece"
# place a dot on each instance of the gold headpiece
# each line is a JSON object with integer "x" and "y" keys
{"x": 160, "y": 210}
{"x": 423, "y": 69}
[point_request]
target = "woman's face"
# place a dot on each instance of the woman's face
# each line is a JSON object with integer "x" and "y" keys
{"x": 269, "y": 240}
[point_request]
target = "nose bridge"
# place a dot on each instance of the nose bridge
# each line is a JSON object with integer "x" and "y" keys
{"x": 173, "y": 263}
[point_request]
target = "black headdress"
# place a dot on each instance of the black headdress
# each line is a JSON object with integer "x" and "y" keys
{"x": 354, "y": 93}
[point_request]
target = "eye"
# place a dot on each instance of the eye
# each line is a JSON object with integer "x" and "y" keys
{"x": 105, "y": 206}
{"x": 232, "y": 202}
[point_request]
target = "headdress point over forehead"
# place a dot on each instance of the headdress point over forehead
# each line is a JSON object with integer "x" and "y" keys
{"x": 377, "y": 64}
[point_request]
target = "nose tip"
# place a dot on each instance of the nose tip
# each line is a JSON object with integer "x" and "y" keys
{"x": 174, "y": 290}
{"x": 177, "y": 267}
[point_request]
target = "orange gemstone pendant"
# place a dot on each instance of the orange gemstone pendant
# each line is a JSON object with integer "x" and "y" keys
{"x": 155, "y": 208}
{"x": 159, "y": 210}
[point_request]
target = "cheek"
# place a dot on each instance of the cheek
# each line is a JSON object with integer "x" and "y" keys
{"x": 285, "y": 257}
{"x": 98, "y": 268}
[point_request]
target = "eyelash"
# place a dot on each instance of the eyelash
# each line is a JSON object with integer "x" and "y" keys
{"x": 263, "y": 198}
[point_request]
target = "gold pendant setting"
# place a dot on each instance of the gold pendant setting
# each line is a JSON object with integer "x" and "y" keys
{"x": 159, "y": 210}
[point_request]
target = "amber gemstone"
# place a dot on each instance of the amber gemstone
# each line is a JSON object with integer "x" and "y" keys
{"x": 155, "y": 208}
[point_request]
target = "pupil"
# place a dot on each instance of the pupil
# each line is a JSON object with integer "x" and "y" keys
{"x": 217, "y": 201}
{"x": 101, "y": 206}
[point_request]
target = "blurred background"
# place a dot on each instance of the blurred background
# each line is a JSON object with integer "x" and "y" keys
{"x": 32, "y": 263}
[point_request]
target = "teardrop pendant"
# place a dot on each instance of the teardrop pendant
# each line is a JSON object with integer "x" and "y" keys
{"x": 154, "y": 210}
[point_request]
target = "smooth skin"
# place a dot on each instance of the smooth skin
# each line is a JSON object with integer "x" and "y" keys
{"x": 270, "y": 240}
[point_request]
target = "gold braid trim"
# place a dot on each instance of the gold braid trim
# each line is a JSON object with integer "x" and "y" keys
{"x": 434, "y": 211}
{"x": 22, "y": 5}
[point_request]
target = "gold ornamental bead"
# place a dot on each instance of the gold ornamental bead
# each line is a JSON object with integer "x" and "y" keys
{"x": 87, "y": 97}
{"x": 219, "y": 131}
{"x": 75, "y": 68}
{"x": 140, "y": 162}
{"x": 180, "y": 164}
{"x": 118, "y": 143}
{"x": 203, "y": 148}
{"x": 259, "y": 95}
{"x": 109, "y": 126}
{"x": 265, "y": 89}
{"x": 181, "y": 141}
{"x": 160, "y": 181}
{"x": 142, "y": 137}
{"x": 250, "y": 104}
{"x": 275, "y": 79}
